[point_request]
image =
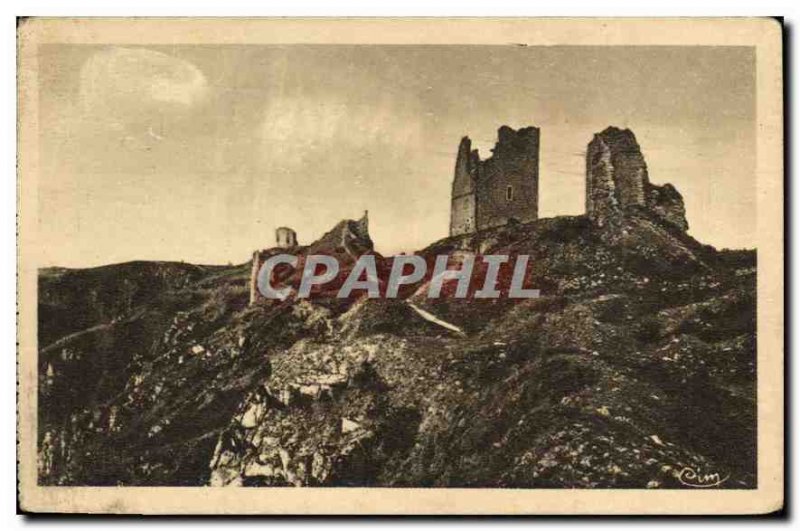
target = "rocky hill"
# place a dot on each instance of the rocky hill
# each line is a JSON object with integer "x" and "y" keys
{"x": 636, "y": 364}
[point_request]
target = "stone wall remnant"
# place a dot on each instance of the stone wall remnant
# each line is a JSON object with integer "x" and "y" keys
{"x": 491, "y": 193}
{"x": 285, "y": 238}
{"x": 617, "y": 179}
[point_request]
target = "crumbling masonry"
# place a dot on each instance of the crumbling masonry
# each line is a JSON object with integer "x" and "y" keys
{"x": 348, "y": 236}
{"x": 505, "y": 187}
{"x": 617, "y": 180}
{"x": 285, "y": 238}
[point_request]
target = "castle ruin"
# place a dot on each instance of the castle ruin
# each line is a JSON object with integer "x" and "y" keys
{"x": 350, "y": 237}
{"x": 505, "y": 187}
{"x": 285, "y": 238}
{"x": 617, "y": 180}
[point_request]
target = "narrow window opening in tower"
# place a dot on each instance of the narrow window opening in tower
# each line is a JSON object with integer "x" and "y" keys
{"x": 509, "y": 193}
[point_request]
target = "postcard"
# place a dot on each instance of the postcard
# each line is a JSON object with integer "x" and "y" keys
{"x": 400, "y": 266}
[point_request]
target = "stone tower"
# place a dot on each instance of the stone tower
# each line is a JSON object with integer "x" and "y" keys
{"x": 617, "y": 180}
{"x": 490, "y": 193}
{"x": 285, "y": 238}
{"x": 616, "y": 173}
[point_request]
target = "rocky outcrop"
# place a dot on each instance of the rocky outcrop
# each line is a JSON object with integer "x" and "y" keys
{"x": 348, "y": 237}
{"x": 667, "y": 203}
{"x": 636, "y": 363}
{"x": 346, "y": 241}
{"x": 617, "y": 182}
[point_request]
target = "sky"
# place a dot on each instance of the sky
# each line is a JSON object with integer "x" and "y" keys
{"x": 197, "y": 153}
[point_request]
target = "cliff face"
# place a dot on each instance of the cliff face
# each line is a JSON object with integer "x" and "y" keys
{"x": 617, "y": 180}
{"x": 637, "y": 362}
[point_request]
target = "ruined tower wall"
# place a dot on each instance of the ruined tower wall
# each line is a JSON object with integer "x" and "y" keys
{"x": 601, "y": 197}
{"x": 462, "y": 215}
{"x": 508, "y": 182}
{"x": 616, "y": 174}
{"x": 285, "y": 238}
{"x": 462, "y": 208}
{"x": 630, "y": 171}
{"x": 490, "y": 193}
{"x": 617, "y": 179}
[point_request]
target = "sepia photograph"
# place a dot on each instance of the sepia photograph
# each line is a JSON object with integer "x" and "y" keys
{"x": 399, "y": 266}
